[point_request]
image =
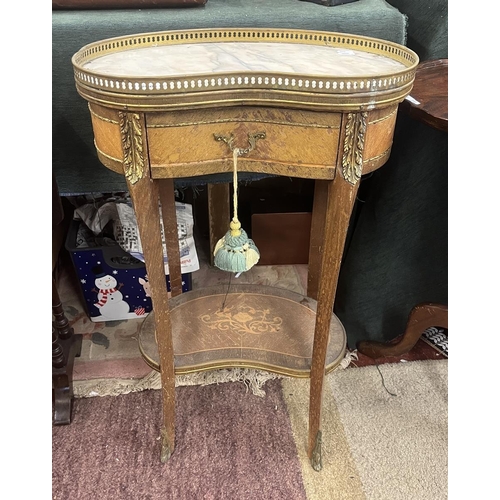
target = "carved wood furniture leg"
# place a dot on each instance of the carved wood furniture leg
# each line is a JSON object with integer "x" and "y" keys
{"x": 218, "y": 214}
{"x": 145, "y": 197}
{"x": 60, "y": 386}
{"x": 65, "y": 347}
{"x": 340, "y": 198}
{"x": 421, "y": 317}
{"x": 57, "y": 350}
{"x": 169, "y": 216}
{"x": 316, "y": 239}
{"x": 61, "y": 323}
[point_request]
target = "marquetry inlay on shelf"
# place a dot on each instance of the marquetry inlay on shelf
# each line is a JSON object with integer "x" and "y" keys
{"x": 252, "y": 326}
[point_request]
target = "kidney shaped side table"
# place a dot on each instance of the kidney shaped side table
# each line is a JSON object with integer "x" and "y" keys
{"x": 307, "y": 104}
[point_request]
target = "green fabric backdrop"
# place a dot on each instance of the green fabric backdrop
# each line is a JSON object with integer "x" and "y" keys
{"x": 397, "y": 248}
{"x": 397, "y": 254}
{"x": 75, "y": 162}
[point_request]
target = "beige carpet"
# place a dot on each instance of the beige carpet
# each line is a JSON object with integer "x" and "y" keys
{"x": 375, "y": 445}
{"x": 380, "y": 443}
{"x": 385, "y": 437}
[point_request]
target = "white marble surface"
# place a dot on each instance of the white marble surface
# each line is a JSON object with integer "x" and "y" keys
{"x": 243, "y": 58}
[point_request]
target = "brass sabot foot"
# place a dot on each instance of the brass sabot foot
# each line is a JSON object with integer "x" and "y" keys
{"x": 316, "y": 459}
{"x": 166, "y": 450}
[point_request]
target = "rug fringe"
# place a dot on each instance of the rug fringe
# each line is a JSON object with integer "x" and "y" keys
{"x": 253, "y": 379}
{"x": 349, "y": 357}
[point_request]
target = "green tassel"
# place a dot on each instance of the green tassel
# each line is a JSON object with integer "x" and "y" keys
{"x": 236, "y": 253}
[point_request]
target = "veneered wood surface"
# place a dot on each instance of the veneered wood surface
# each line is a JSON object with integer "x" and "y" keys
{"x": 340, "y": 198}
{"x": 145, "y": 198}
{"x": 219, "y": 215}
{"x": 297, "y": 143}
{"x": 305, "y": 134}
{"x": 169, "y": 217}
{"x": 378, "y": 138}
{"x": 107, "y": 137}
{"x": 430, "y": 89}
{"x": 243, "y": 325}
{"x": 316, "y": 239}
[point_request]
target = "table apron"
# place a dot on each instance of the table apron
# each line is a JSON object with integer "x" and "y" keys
{"x": 297, "y": 143}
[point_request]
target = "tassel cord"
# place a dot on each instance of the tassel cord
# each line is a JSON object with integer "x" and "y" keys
{"x": 236, "y": 152}
{"x": 225, "y": 296}
{"x": 235, "y": 252}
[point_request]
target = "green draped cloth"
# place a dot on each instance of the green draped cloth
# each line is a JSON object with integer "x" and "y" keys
{"x": 74, "y": 158}
{"x": 396, "y": 254}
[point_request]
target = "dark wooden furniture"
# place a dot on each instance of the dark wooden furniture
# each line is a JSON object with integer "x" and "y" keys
{"x": 428, "y": 100}
{"x": 323, "y": 106}
{"x": 421, "y": 317}
{"x": 428, "y": 103}
{"x": 66, "y": 345}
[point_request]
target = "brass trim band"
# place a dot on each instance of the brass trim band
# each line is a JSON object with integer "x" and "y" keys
{"x": 102, "y": 118}
{"x": 109, "y": 157}
{"x": 238, "y": 363}
{"x": 374, "y": 158}
{"x": 236, "y": 120}
{"x": 252, "y": 97}
{"x": 381, "y": 119}
{"x": 164, "y": 91}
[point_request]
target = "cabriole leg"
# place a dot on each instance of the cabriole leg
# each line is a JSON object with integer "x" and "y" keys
{"x": 340, "y": 199}
{"x": 145, "y": 197}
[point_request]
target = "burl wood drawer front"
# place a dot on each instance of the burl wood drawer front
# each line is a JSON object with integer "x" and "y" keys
{"x": 297, "y": 143}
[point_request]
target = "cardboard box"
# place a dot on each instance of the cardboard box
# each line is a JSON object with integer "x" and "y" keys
{"x": 113, "y": 283}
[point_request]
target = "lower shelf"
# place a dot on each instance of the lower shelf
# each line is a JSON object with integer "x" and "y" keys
{"x": 251, "y": 326}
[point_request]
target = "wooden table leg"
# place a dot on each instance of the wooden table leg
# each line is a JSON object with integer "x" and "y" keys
{"x": 340, "y": 199}
{"x": 145, "y": 197}
{"x": 219, "y": 214}
{"x": 169, "y": 216}
{"x": 316, "y": 239}
{"x": 421, "y": 317}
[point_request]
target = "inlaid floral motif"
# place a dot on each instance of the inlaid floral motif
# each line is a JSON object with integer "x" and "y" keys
{"x": 243, "y": 319}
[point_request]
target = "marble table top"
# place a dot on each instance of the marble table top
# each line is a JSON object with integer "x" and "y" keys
{"x": 241, "y": 58}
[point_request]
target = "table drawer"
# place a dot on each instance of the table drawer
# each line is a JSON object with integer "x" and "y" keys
{"x": 296, "y": 143}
